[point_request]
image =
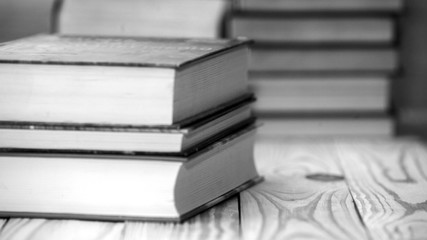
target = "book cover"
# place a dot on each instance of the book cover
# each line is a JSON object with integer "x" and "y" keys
{"x": 113, "y": 51}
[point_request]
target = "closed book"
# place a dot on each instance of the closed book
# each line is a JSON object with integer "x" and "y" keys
{"x": 117, "y": 139}
{"x": 160, "y": 18}
{"x": 347, "y": 92}
{"x": 129, "y": 81}
{"x": 324, "y": 59}
{"x": 320, "y": 5}
{"x": 141, "y": 187}
{"x": 312, "y": 29}
{"x": 328, "y": 125}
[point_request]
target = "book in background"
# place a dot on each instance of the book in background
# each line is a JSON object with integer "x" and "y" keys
{"x": 152, "y": 18}
{"x": 330, "y": 64}
{"x": 320, "y": 5}
{"x": 117, "y": 128}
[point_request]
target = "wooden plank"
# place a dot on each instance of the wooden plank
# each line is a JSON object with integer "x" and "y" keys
{"x": 34, "y": 229}
{"x": 304, "y": 194}
{"x": 220, "y": 222}
{"x": 388, "y": 181}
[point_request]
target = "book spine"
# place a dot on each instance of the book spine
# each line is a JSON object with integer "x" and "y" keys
{"x": 55, "y": 16}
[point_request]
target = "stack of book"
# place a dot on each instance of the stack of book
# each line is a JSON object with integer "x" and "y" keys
{"x": 321, "y": 67}
{"x": 123, "y": 128}
{"x": 154, "y": 18}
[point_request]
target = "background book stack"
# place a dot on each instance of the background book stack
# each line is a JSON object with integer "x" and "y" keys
{"x": 159, "y": 18}
{"x": 321, "y": 67}
{"x": 123, "y": 128}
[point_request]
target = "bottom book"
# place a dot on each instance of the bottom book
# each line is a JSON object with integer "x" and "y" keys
{"x": 126, "y": 187}
{"x": 327, "y": 126}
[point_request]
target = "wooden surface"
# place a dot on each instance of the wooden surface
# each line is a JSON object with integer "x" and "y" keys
{"x": 389, "y": 185}
{"x": 313, "y": 189}
{"x": 221, "y": 222}
{"x": 304, "y": 195}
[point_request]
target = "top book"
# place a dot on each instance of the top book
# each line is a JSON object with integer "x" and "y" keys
{"x": 118, "y": 81}
{"x": 148, "y": 18}
{"x": 319, "y": 5}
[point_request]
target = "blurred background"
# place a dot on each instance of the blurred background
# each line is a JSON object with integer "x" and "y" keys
{"x": 318, "y": 67}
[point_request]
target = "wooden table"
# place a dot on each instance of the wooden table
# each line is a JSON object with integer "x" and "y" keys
{"x": 314, "y": 189}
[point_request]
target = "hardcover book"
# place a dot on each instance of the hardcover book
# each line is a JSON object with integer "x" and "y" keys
{"x": 128, "y": 81}
{"x": 141, "y": 187}
{"x": 336, "y": 59}
{"x": 282, "y": 29}
{"x": 333, "y": 92}
{"x": 159, "y": 18}
{"x": 320, "y": 5}
{"x": 333, "y": 125}
{"x": 117, "y": 139}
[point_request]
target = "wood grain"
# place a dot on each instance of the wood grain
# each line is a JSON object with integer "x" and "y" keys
{"x": 220, "y": 222}
{"x": 2, "y": 223}
{"x": 388, "y": 181}
{"x": 304, "y": 194}
{"x": 42, "y": 229}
